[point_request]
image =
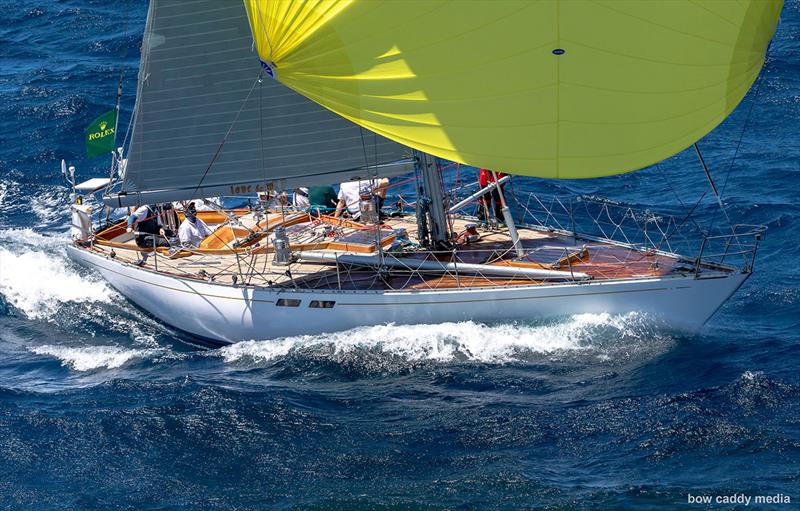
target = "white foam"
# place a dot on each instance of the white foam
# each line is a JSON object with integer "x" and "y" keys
{"x": 38, "y": 282}
{"x": 50, "y": 206}
{"x": 9, "y": 190}
{"x": 465, "y": 341}
{"x": 88, "y": 358}
{"x": 29, "y": 238}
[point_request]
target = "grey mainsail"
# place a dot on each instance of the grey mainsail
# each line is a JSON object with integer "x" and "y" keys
{"x": 200, "y": 83}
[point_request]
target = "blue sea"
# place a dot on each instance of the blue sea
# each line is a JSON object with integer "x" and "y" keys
{"x": 103, "y": 407}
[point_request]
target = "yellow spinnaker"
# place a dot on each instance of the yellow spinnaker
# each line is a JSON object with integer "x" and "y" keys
{"x": 548, "y": 88}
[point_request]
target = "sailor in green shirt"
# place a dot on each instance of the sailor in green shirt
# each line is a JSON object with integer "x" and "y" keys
{"x": 323, "y": 197}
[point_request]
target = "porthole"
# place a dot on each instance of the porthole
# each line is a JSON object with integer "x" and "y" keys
{"x": 321, "y": 304}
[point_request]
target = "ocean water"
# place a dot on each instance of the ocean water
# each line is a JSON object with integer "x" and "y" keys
{"x": 102, "y": 407}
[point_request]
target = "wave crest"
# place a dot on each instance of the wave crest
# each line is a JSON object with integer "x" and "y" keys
{"x": 37, "y": 282}
{"x": 89, "y": 358}
{"x": 448, "y": 342}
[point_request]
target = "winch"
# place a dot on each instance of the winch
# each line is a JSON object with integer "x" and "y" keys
{"x": 283, "y": 251}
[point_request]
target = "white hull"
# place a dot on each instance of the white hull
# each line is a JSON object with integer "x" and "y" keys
{"x": 227, "y": 314}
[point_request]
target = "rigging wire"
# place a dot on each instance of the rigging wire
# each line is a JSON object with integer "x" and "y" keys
{"x": 677, "y": 195}
{"x": 114, "y": 154}
{"x": 264, "y": 28}
{"x": 756, "y": 93}
{"x": 688, "y": 216}
{"x": 261, "y": 124}
{"x": 225, "y": 138}
{"x": 143, "y": 65}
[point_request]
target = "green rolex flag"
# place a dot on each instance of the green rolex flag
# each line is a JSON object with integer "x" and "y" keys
{"x": 100, "y": 135}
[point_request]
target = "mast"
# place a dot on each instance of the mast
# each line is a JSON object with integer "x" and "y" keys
{"x": 432, "y": 221}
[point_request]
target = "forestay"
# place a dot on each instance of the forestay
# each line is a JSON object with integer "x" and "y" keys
{"x": 551, "y": 88}
{"x": 199, "y": 85}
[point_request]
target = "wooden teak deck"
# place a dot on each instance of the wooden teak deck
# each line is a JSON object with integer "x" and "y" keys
{"x": 242, "y": 254}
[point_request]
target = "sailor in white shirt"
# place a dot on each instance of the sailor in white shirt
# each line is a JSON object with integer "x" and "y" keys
{"x": 192, "y": 230}
{"x": 300, "y": 198}
{"x": 351, "y": 193}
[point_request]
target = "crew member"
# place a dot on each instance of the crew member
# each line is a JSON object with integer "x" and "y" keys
{"x": 300, "y": 198}
{"x": 169, "y": 217}
{"x": 485, "y": 177}
{"x": 146, "y": 223}
{"x": 322, "y": 197}
{"x": 192, "y": 230}
{"x": 273, "y": 200}
{"x": 352, "y": 193}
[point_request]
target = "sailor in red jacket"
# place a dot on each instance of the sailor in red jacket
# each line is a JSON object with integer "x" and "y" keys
{"x": 485, "y": 177}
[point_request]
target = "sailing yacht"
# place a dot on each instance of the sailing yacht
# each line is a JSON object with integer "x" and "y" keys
{"x": 256, "y": 97}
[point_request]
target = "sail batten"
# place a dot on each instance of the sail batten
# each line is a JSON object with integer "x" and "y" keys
{"x": 202, "y": 91}
{"x": 523, "y": 87}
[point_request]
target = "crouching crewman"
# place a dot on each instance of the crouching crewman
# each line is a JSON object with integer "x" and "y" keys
{"x": 145, "y": 222}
